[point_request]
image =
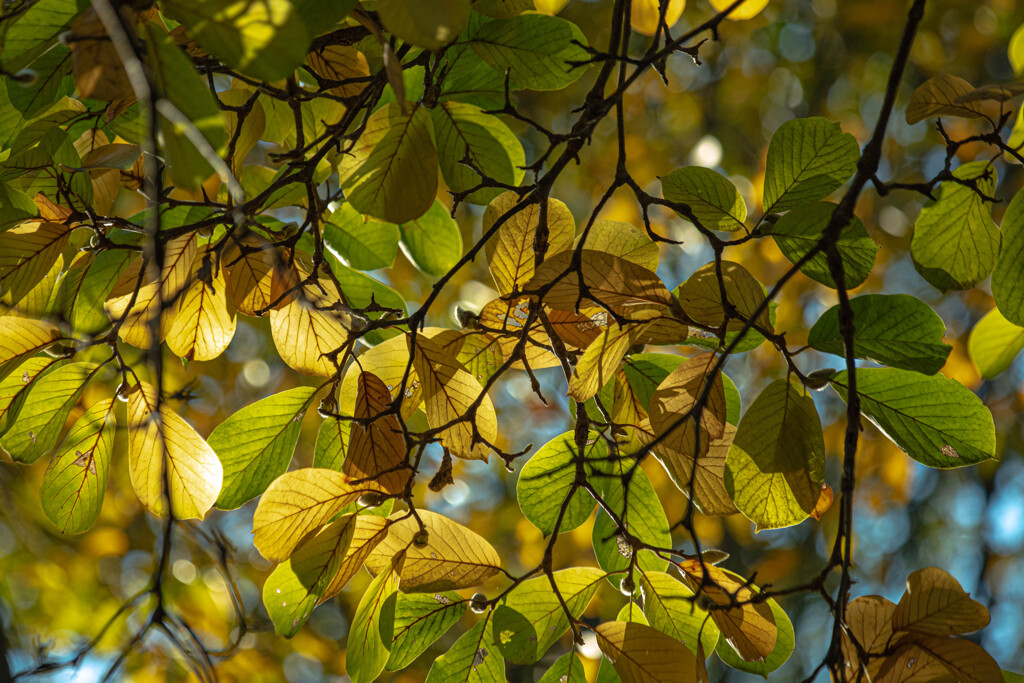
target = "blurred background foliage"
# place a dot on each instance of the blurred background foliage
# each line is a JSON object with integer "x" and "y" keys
{"x": 798, "y": 58}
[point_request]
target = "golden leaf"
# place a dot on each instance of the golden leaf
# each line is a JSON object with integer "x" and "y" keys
{"x": 27, "y": 252}
{"x": 204, "y": 322}
{"x": 701, "y": 297}
{"x": 641, "y": 654}
{"x": 310, "y": 329}
{"x": 937, "y": 605}
{"x": 341, "y": 63}
{"x": 377, "y": 448}
{"x": 512, "y": 251}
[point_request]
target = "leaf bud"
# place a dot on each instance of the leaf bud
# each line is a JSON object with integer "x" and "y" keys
{"x": 328, "y": 407}
{"x": 818, "y": 379}
{"x": 25, "y": 77}
{"x": 478, "y": 603}
{"x": 421, "y": 538}
{"x": 123, "y": 392}
{"x": 370, "y": 499}
{"x": 627, "y": 586}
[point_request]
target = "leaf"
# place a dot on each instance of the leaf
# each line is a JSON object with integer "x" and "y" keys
{"x": 298, "y": 584}
{"x": 937, "y": 421}
{"x": 168, "y": 459}
{"x": 370, "y": 636}
{"x": 420, "y": 619}
{"x": 955, "y": 242}
{"x": 512, "y": 252}
{"x": 253, "y": 126}
{"x": 472, "y": 659}
{"x": 993, "y": 93}
{"x": 204, "y": 323}
{"x": 749, "y": 627}
{"x": 640, "y": 509}
{"x": 711, "y": 197}
{"x": 377, "y": 449}
{"x": 645, "y": 15}
{"x": 431, "y": 27}
{"x": 27, "y": 252}
{"x": 710, "y": 494}
{"x": 994, "y": 344}
{"x": 341, "y": 63}
{"x": 601, "y": 359}
{"x": 645, "y": 371}
{"x": 370, "y": 530}
{"x": 807, "y": 159}
{"x": 547, "y": 478}
{"x": 296, "y": 504}
{"x": 456, "y": 404}
{"x": 75, "y": 481}
{"x": 310, "y": 329}
{"x": 41, "y": 419}
{"x": 897, "y": 330}
{"x": 98, "y": 71}
{"x": 776, "y": 464}
{"x": 391, "y": 171}
{"x": 530, "y": 618}
{"x": 607, "y": 281}
{"x": 537, "y": 50}
{"x": 1008, "y": 276}
{"x": 784, "y": 646}
{"x": 701, "y": 297}
{"x": 256, "y": 275}
{"x": 15, "y": 387}
{"x": 432, "y": 242}
{"x": 624, "y": 240}
{"x": 642, "y": 654}
{"x": 670, "y": 608}
{"x": 365, "y": 245}
{"x": 920, "y": 657}
{"x": 453, "y": 556}
{"x": 748, "y": 9}
{"x": 265, "y": 40}
{"x": 801, "y": 229}
{"x": 389, "y": 361}
{"x": 102, "y": 272}
{"x": 940, "y": 96}
{"x": 567, "y": 669}
{"x": 37, "y": 30}
{"x": 256, "y": 444}
{"x": 675, "y": 398}
{"x": 935, "y": 604}
{"x": 869, "y": 619}
{"x": 21, "y": 338}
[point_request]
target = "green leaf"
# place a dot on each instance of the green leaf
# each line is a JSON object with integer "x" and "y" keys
{"x": 776, "y": 465}
{"x": 785, "y": 641}
{"x": 643, "y": 516}
{"x": 464, "y": 132}
{"x": 807, "y": 159}
{"x": 298, "y": 584}
{"x": 15, "y": 206}
{"x": 430, "y": 25}
{"x": 645, "y": 371}
{"x": 897, "y": 330}
{"x": 547, "y": 479}
{"x": 420, "y": 619}
{"x": 632, "y": 612}
{"x": 994, "y": 343}
{"x": 801, "y": 229}
{"x": 372, "y": 630}
{"x": 175, "y": 78}
{"x": 955, "y": 242}
{"x": 75, "y": 481}
{"x": 1015, "y": 50}
{"x": 537, "y": 49}
{"x": 937, "y": 421}
{"x": 52, "y": 82}
{"x": 332, "y": 443}
{"x": 364, "y": 244}
{"x": 15, "y": 387}
{"x": 1008, "y": 276}
{"x": 567, "y": 669}
{"x": 670, "y": 607}
{"x": 530, "y": 619}
{"x": 266, "y": 40}
{"x": 472, "y": 659}
{"x": 100, "y": 277}
{"x": 36, "y": 30}
{"x": 46, "y": 409}
{"x": 391, "y": 172}
{"x": 433, "y": 242}
{"x": 256, "y": 444}
{"x": 713, "y": 199}
{"x": 469, "y": 78}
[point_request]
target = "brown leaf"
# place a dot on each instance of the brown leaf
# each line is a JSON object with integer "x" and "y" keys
{"x": 824, "y": 503}
{"x": 931, "y": 658}
{"x": 869, "y": 619}
{"x": 701, "y": 296}
{"x": 341, "y": 63}
{"x": 940, "y": 96}
{"x": 95, "y": 64}
{"x": 936, "y": 604}
{"x": 377, "y": 448}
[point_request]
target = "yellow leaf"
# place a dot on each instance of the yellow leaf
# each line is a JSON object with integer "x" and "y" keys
{"x": 928, "y": 658}
{"x": 456, "y": 405}
{"x": 869, "y": 619}
{"x": 550, "y": 7}
{"x": 645, "y": 15}
{"x": 257, "y": 275}
{"x": 453, "y": 556}
{"x": 701, "y": 297}
{"x": 27, "y": 252}
{"x": 937, "y": 605}
{"x": 95, "y": 64}
{"x": 641, "y": 654}
{"x": 675, "y": 397}
{"x": 162, "y": 446}
{"x": 310, "y": 329}
{"x": 749, "y": 627}
{"x": 607, "y": 280}
{"x": 746, "y": 10}
{"x": 430, "y": 25}
{"x": 377, "y": 448}
{"x": 22, "y": 337}
{"x": 602, "y": 358}
{"x": 624, "y": 240}
{"x": 205, "y": 320}
{"x": 512, "y": 251}
{"x": 252, "y": 128}
{"x": 341, "y": 63}
{"x": 296, "y": 504}
{"x": 505, "y": 321}
{"x": 370, "y": 530}
{"x": 940, "y": 96}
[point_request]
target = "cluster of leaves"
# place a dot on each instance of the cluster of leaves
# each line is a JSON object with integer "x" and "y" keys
{"x": 351, "y": 116}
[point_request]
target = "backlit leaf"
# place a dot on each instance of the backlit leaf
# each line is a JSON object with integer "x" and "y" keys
{"x": 784, "y": 645}
{"x": 420, "y": 619}
{"x": 624, "y": 240}
{"x": 512, "y": 252}
{"x": 714, "y": 200}
{"x": 994, "y": 343}
{"x": 670, "y": 608}
{"x": 701, "y": 297}
{"x": 310, "y": 329}
{"x": 433, "y": 241}
{"x": 21, "y": 338}
{"x": 640, "y": 509}
{"x": 601, "y": 359}
{"x": 936, "y": 604}
{"x": 473, "y": 658}
{"x": 15, "y": 387}
{"x": 376, "y": 448}
{"x": 365, "y": 245}
{"x": 567, "y": 669}
{"x": 546, "y": 479}
{"x": 1008, "y": 276}
{"x": 801, "y": 229}
{"x": 642, "y": 654}
{"x": 609, "y": 281}
{"x": 204, "y": 322}
{"x": 807, "y": 159}
{"x": 430, "y": 26}
{"x": 370, "y": 530}
{"x": 537, "y": 49}
{"x": 940, "y": 96}
{"x": 27, "y": 252}
{"x": 370, "y": 635}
